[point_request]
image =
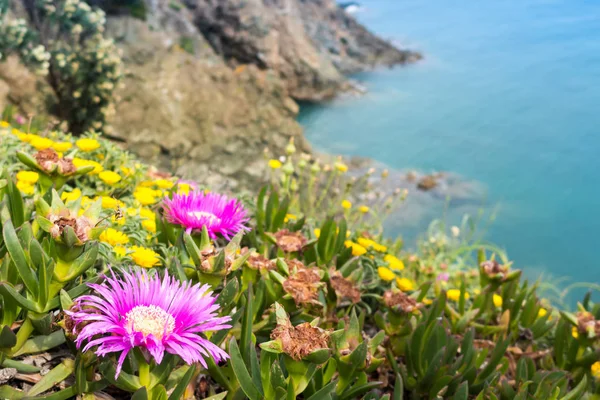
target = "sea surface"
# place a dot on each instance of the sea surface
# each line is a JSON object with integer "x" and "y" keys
{"x": 508, "y": 97}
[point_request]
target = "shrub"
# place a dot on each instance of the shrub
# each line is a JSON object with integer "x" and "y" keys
{"x": 108, "y": 265}
{"x": 63, "y": 41}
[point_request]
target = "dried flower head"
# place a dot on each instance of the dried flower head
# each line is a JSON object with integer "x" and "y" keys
{"x": 303, "y": 285}
{"x": 81, "y": 225}
{"x": 400, "y": 301}
{"x": 47, "y": 159}
{"x": 493, "y": 269}
{"x": 299, "y": 341}
{"x": 290, "y": 241}
{"x": 154, "y": 315}
{"x": 344, "y": 288}
{"x": 259, "y": 262}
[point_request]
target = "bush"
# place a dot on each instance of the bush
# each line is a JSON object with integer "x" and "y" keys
{"x": 107, "y": 265}
{"x": 63, "y": 41}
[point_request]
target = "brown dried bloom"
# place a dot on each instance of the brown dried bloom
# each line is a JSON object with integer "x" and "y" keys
{"x": 343, "y": 287}
{"x": 304, "y": 285}
{"x": 46, "y": 159}
{"x": 290, "y": 241}
{"x": 259, "y": 262}
{"x": 492, "y": 268}
{"x": 400, "y": 301}
{"x": 299, "y": 341}
{"x": 66, "y": 166}
{"x": 586, "y": 323}
{"x": 81, "y": 225}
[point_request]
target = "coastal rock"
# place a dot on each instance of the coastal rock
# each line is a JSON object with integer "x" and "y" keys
{"x": 21, "y": 88}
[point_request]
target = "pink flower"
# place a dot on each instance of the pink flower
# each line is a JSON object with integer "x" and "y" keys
{"x": 137, "y": 310}
{"x": 220, "y": 214}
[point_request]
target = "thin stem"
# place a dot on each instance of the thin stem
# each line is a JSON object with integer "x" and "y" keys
{"x": 143, "y": 368}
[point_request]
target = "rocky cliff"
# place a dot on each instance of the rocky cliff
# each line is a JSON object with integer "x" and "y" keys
{"x": 211, "y": 83}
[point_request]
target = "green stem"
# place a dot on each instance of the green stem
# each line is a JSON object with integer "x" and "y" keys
{"x": 22, "y": 335}
{"x": 143, "y": 368}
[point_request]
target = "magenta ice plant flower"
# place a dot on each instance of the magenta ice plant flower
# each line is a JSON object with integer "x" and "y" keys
{"x": 156, "y": 315}
{"x": 218, "y": 213}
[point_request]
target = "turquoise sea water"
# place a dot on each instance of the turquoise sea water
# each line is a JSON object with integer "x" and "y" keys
{"x": 508, "y": 95}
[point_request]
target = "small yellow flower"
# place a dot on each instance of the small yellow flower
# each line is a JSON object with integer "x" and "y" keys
{"x": 119, "y": 251}
{"x": 25, "y": 188}
{"x": 368, "y": 243}
{"x": 317, "y": 232}
{"x": 62, "y": 146}
{"x": 575, "y": 332}
{"x": 87, "y": 144}
{"x": 109, "y": 177}
{"x": 386, "y": 274}
{"x": 405, "y": 284}
{"x": 454, "y": 294}
{"x": 144, "y": 257}
{"x": 183, "y": 188}
{"x": 146, "y": 183}
{"x": 363, "y": 209}
{"x": 41, "y": 143}
{"x": 4, "y": 124}
{"x": 127, "y": 171}
{"x": 427, "y": 301}
{"x": 341, "y": 167}
{"x": 542, "y": 312}
{"x": 113, "y": 237}
{"x": 80, "y": 162}
{"x": 357, "y": 249}
{"x": 164, "y": 183}
{"x": 274, "y": 164}
{"x": 497, "y": 299}
{"x": 28, "y": 177}
{"x": 346, "y": 204}
{"x": 149, "y": 225}
{"x": 71, "y": 196}
{"x": 109, "y": 202}
{"x": 290, "y": 217}
{"x": 394, "y": 262}
{"x": 147, "y": 213}
{"x": 596, "y": 370}
{"x": 145, "y": 196}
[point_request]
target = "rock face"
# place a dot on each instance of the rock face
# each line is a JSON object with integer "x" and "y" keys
{"x": 210, "y": 84}
{"x": 309, "y": 43}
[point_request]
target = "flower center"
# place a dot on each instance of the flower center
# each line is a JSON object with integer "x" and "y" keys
{"x": 212, "y": 218}
{"x": 150, "y": 320}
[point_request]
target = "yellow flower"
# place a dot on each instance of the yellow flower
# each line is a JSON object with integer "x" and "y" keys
{"x": 386, "y": 274}
{"x": 28, "y": 177}
{"x": 427, "y": 301}
{"x": 164, "y": 183}
{"x": 25, "y": 188}
{"x": 394, "y": 262}
{"x": 127, "y": 171}
{"x": 41, "y": 143}
{"x": 274, "y": 164}
{"x": 71, "y": 196}
{"x": 596, "y": 370}
{"x": 574, "y": 332}
{"x": 497, "y": 299}
{"x": 405, "y": 284}
{"x": 289, "y": 217}
{"x": 363, "y": 209}
{"x": 147, "y": 213}
{"x": 341, "y": 167}
{"x": 113, "y": 237}
{"x": 4, "y": 124}
{"x": 357, "y": 249}
{"x": 317, "y": 232}
{"x": 372, "y": 244}
{"x": 62, "y": 146}
{"x": 146, "y": 183}
{"x": 80, "y": 162}
{"x": 118, "y": 221}
{"x": 144, "y": 257}
{"x": 149, "y": 225}
{"x": 109, "y": 202}
{"x": 542, "y": 312}
{"x": 183, "y": 188}
{"x": 346, "y": 204}
{"x": 120, "y": 251}
{"x": 87, "y": 144}
{"x": 145, "y": 196}
{"x": 109, "y": 177}
{"x": 454, "y": 294}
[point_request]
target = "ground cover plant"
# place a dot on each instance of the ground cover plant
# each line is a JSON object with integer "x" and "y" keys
{"x": 118, "y": 281}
